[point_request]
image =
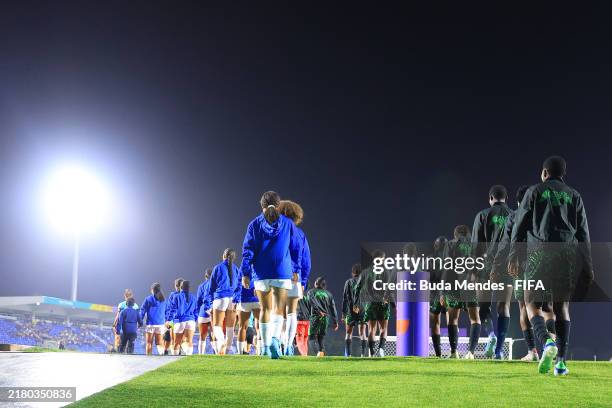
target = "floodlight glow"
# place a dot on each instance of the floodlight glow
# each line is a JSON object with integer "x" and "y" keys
{"x": 75, "y": 200}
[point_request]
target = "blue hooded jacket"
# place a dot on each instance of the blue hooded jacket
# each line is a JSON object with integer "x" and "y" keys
{"x": 204, "y": 298}
{"x": 271, "y": 251}
{"x": 154, "y": 309}
{"x": 184, "y": 307}
{"x": 129, "y": 320}
{"x": 169, "y": 303}
{"x": 220, "y": 285}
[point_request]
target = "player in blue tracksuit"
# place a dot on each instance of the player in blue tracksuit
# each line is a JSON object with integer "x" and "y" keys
{"x": 184, "y": 316}
{"x": 248, "y": 306}
{"x": 295, "y": 212}
{"x": 127, "y": 326}
{"x": 127, "y": 293}
{"x": 154, "y": 308}
{"x": 271, "y": 254}
{"x": 204, "y": 305}
{"x": 225, "y": 290}
{"x": 169, "y": 334}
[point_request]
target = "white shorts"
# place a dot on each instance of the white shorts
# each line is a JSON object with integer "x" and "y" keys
{"x": 155, "y": 328}
{"x": 248, "y": 307}
{"x": 296, "y": 291}
{"x": 265, "y": 285}
{"x": 223, "y": 304}
{"x": 203, "y": 319}
{"x": 182, "y": 326}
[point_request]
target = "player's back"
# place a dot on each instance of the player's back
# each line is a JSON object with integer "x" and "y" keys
{"x": 557, "y": 213}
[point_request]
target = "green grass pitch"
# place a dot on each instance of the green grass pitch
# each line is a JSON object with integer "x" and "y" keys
{"x": 228, "y": 381}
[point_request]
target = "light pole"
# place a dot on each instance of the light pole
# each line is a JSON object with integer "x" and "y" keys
{"x": 76, "y": 202}
{"x": 75, "y": 265}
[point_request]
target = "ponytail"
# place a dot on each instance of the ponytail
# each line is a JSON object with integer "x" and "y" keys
{"x": 230, "y": 255}
{"x": 185, "y": 288}
{"x": 270, "y": 200}
{"x": 157, "y": 292}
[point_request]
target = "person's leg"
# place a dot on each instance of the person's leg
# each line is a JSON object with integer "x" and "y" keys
{"x": 474, "y": 315}
{"x": 230, "y": 325}
{"x": 549, "y": 316}
{"x": 372, "y": 324}
{"x": 532, "y": 352}
{"x": 292, "y": 304}
{"x": 563, "y": 324}
{"x": 219, "y": 318}
{"x": 159, "y": 343}
{"x": 279, "y": 308}
{"x": 148, "y": 343}
{"x": 188, "y": 335}
{"x": 348, "y": 336}
{"x": 434, "y": 326}
{"x": 503, "y": 320}
{"x": 243, "y": 321}
{"x": 383, "y": 324}
{"x": 130, "y": 343}
{"x": 203, "y": 330}
{"x": 453, "y": 330}
{"x": 536, "y": 317}
{"x": 313, "y": 331}
{"x": 178, "y": 340}
{"x": 266, "y": 300}
{"x": 122, "y": 342}
{"x": 363, "y": 336}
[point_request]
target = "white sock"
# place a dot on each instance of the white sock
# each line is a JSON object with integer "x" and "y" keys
{"x": 229, "y": 333}
{"x": 219, "y": 338}
{"x": 266, "y": 333}
{"x": 200, "y": 347}
{"x": 291, "y": 328}
{"x": 285, "y": 332}
{"x": 188, "y": 349}
{"x": 160, "y": 350}
{"x": 278, "y": 325}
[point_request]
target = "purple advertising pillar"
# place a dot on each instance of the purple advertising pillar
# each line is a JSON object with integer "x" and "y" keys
{"x": 412, "y": 318}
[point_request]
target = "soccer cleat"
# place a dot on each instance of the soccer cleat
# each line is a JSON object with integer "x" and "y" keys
{"x": 531, "y": 356}
{"x": 490, "y": 349}
{"x": 265, "y": 351}
{"x": 548, "y": 356}
{"x": 454, "y": 355}
{"x": 499, "y": 356}
{"x": 321, "y": 354}
{"x": 380, "y": 353}
{"x": 469, "y": 356}
{"x": 275, "y": 350}
{"x": 561, "y": 368}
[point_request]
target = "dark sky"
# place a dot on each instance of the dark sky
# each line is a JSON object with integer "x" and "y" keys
{"x": 385, "y": 124}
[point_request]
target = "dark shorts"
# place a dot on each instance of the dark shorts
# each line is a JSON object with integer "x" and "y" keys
{"x": 318, "y": 325}
{"x": 354, "y": 319}
{"x": 377, "y": 311}
{"x": 555, "y": 267}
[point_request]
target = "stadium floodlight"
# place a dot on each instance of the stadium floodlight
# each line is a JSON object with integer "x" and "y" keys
{"x": 75, "y": 201}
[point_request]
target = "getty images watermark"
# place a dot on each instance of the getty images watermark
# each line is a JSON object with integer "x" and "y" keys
{"x": 467, "y": 271}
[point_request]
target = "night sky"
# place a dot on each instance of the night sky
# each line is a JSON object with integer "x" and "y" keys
{"x": 384, "y": 124}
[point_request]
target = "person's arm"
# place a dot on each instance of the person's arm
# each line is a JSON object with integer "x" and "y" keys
{"x": 199, "y": 297}
{"x": 296, "y": 244}
{"x": 248, "y": 252}
{"x": 478, "y": 235}
{"x": 139, "y": 318}
{"x": 584, "y": 240}
{"x": 143, "y": 309}
{"x": 333, "y": 311}
{"x": 522, "y": 222}
{"x": 306, "y": 264}
{"x": 214, "y": 277}
{"x": 346, "y": 298}
{"x": 120, "y": 321}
